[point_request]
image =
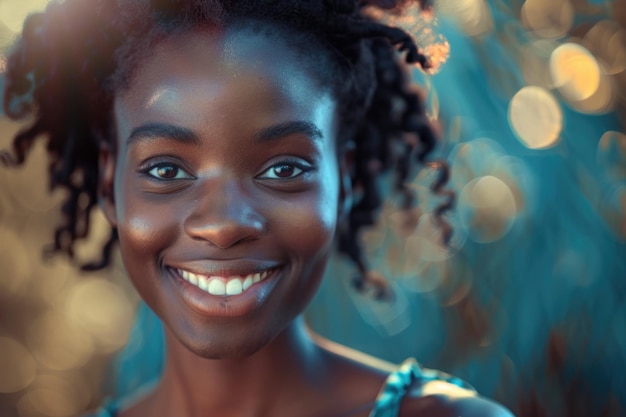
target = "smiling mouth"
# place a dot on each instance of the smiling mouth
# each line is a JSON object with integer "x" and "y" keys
{"x": 223, "y": 286}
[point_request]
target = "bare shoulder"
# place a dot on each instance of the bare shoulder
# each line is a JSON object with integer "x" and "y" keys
{"x": 360, "y": 377}
{"x": 443, "y": 399}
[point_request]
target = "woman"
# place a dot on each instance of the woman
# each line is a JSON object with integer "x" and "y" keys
{"x": 224, "y": 142}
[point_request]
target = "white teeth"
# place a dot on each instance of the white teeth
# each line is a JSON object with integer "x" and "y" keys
{"x": 234, "y": 287}
{"x": 202, "y": 283}
{"x": 216, "y": 287}
{"x": 223, "y": 286}
{"x": 246, "y": 283}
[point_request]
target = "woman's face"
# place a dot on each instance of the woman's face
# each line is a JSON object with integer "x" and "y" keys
{"x": 224, "y": 187}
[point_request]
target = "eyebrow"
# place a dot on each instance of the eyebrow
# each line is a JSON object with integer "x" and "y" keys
{"x": 280, "y": 130}
{"x": 181, "y": 134}
{"x": 162, "y": 130}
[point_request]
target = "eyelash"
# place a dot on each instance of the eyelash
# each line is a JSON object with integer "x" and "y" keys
{"x": 160, "y": 165}
{"x": 303, "y": 168}
{"x": 298, "y": 165}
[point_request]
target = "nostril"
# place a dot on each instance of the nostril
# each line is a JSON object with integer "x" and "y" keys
{"x": 225, "y": 233}
{"x": 224, "y": 214}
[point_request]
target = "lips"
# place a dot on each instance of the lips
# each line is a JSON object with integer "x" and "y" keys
{"x": 223, "y": 285}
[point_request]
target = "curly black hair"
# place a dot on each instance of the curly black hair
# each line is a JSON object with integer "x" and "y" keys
{"x": 72, "y": 59}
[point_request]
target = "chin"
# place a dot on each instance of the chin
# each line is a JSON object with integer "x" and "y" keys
{"x": 225, "y": 342}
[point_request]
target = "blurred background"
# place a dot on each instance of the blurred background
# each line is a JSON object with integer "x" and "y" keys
{"x": 529, "y": 301}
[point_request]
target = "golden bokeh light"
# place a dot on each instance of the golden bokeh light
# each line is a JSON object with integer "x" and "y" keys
{"x": 58, "y": 273}
{"x": 59, "y": 343}
{"x": 14, "y": 12}
{"x": 472, "y": 16}
{"x": 18, "y": 368}
{"x": 17, "y": 265}
{"x": 534, "y": 59}
{"x": 487, "y": 209}
{"x": 548, "y": 19}
{"x": 103, "y": 309}
{"x": 607, "y": 41}
{"x": 516, "y": 174}
{"x": 611, "y": 154}
{"x": 428, "y": 277}
{"x": 472, "y": 159}
{"x": 425, "y": 242}
{"x": 575, "y": 72}
{"x": 33, "y": 196}
{"x": 90, "y": 250}
{"x": 55, "y": 396}
{"x": 601, "y": 101}
{"x": 536, "y": 117}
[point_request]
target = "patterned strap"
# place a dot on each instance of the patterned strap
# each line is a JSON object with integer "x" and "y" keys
{"x": 399, "y": 382}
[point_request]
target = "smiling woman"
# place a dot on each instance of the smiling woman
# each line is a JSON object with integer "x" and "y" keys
{"x": 223, "y": 141}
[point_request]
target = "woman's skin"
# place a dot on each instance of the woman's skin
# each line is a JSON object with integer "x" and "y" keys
{"x": 227, "y": 164}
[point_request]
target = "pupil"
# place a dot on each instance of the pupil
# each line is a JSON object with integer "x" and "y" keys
{"x": 284, "y": 171}
{"x": 167, "y": 172}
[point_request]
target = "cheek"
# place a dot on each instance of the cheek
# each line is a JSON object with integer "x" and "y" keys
{"x": 310, "y": 223}
{"x": 145, "y": 227}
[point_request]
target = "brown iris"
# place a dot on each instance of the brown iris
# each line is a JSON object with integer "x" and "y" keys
{"x": 284, "y": 171}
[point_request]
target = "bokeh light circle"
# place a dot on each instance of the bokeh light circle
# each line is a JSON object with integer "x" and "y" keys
{"x": 425, "y": 242}
{"x": 536, "y": 117}
{"x": 602, "y": 100}
{"x": 18, "y": 368}
{"x": 611, "y": 155}
{"x": 486, "y": 209}
{"x": 473, "y": 17}
{"x": 548, "y": 19}
{"x": 607, "y": 41}
{"x": 574, "y": 71}
{"x": 16, "y": 262}
{"x": 103, "y": 309}
{"x": 473, "y": 159}
{"x": 534, "y": 61}
{"x": 58, "y": 343}
{"x": 56, "y": 395}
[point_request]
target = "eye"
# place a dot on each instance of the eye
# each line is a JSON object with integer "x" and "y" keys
{"x": 167, "y": 171}
{"x": 284, "y": 171}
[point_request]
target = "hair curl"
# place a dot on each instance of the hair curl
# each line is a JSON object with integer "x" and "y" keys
{"x": 74, "y": 57}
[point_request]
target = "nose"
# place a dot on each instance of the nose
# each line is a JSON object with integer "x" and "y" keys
{"x": 224, "y": 216}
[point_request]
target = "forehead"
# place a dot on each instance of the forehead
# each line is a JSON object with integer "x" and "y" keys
{"x": 228, "y": 70}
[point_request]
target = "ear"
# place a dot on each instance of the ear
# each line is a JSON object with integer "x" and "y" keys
{"x": 345, "y": 192}
{"x": 106, "y": 182}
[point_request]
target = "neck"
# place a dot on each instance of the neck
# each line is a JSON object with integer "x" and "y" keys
{"x": 274, "y": 377}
